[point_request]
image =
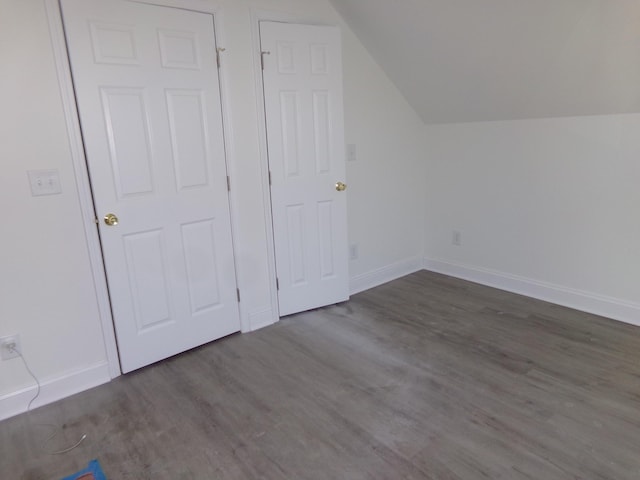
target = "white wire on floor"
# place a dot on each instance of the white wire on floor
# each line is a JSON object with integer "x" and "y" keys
{"x": 38, "y": 389}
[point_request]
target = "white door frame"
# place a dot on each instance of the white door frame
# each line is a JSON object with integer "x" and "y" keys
{"x": 261, "y": 15}
{"x": 83, "y": 185}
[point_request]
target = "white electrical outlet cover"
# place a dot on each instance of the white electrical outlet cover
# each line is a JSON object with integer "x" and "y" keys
{"x": 5, "y": 353}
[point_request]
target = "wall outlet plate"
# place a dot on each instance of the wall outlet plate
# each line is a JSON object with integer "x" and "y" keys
{"x": 353, "y": 251}
{"x": 456, "y": 238}
{"x": 352, "y": 154}
{"x": 5, "y": 352}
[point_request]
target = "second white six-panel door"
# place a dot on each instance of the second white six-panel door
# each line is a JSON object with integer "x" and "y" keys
{"x": 305, "y": 137}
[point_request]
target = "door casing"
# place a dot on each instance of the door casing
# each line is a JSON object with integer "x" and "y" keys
{"x": 259, "y": 15}
{"x": 322, "y": 265}
{"x": 173, "y": 200}
{"x": 83, "y": 186}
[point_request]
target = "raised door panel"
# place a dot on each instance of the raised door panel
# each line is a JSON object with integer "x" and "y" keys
{"x": 189, "y": 142}
{"x": 203, "y": 275}
{"x": 147, "y": 272}
{"x": 126, "y": 120}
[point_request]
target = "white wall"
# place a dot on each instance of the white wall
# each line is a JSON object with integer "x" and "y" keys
{"x": 46, "y": 285}
{"x": 469, "y": 60}
{"x": 46, "y": 288}
{"x": 546, "y": 207}
{"x": 386, "y": 188}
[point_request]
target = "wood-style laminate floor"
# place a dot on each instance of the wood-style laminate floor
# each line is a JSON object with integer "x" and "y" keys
{"x": 427, "y": 377}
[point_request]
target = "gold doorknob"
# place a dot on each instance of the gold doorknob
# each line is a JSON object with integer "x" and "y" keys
{"x": 110, "y": 219}
{"x": 341, "y": 187}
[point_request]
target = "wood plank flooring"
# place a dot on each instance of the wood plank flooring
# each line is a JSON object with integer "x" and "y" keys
{"x": 427, "y": 377}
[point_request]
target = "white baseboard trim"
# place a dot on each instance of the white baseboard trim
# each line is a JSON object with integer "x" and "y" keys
{"x": 385, "y": 274}
{"x": 54, "y": 389}
{"x": 589, "y": 302}
{"x": 261, "y": 318}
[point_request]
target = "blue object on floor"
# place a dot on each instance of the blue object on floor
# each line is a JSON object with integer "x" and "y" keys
{"x": 86, "y": 474}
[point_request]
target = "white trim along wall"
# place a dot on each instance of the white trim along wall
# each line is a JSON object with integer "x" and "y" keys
{"x": 589, "y": 302}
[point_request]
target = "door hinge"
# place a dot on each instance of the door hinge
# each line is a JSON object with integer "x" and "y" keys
{"x": 238, "y": 294}
{"x": 228, "y": 184}
{"x": 262, "y": 54}
{"x": 277, "y": 284}
{"x": 218, "y": 51}
{"x": 269, "y": 177}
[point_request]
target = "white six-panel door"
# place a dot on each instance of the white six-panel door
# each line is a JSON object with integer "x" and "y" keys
{"x": 302, "y": 79}
{"x": 148, "y": 96}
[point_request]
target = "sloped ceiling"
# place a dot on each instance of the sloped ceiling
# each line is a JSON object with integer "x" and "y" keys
{"x": 480, "y": 60}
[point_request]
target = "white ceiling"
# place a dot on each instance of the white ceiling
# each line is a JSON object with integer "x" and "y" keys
{"x": 479, "y": 60}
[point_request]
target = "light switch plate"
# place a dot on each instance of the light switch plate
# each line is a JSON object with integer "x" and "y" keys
{"x": 44, "y": 182}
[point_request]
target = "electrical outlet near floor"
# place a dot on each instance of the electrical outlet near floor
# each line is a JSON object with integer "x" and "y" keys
{"x": 353, "y": 251}
{"x": 456, "y": 238}
{"x": 9, "y": 347}
{"x": 352, "y": 155}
